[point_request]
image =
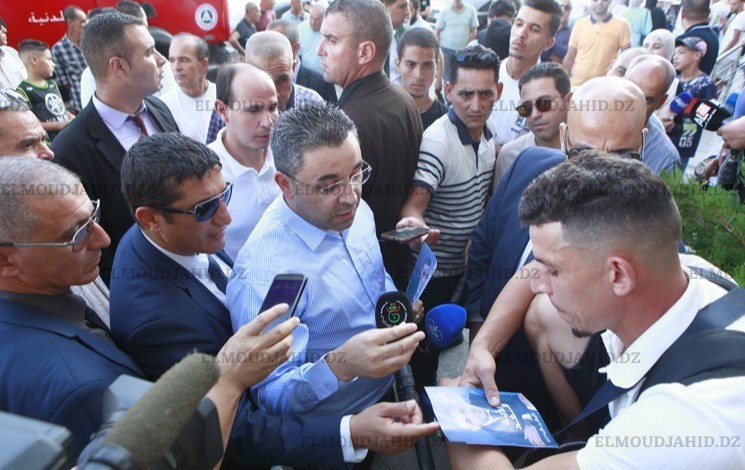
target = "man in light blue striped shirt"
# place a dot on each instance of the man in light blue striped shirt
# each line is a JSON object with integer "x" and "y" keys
{"x": 321, "y": 228}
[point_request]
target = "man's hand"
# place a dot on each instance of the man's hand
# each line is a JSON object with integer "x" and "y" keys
{"x": 389, "y": 428}
{"x": 376, "y": 352}
{"x": 712, "y": 168}
{"x": 248, "y": 356}
{"x": 479, "y": 373}
{"x": 418, "y": 308}
{"x": 733, "y": 133}
{"x": 431, "y": 237}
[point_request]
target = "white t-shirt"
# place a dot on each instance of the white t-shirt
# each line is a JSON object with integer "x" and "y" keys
{"x": 738, "y": 23}
{"x": 670, "y": 425}
{"x": 12, "y": 70}
{"x": 504, "y": 119}
{"x": 192, "y": 114}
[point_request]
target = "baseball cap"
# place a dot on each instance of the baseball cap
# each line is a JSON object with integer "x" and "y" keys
{"x": 693, "y": 43}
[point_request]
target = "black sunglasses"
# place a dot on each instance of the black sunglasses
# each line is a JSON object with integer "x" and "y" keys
{"x": 574, "y": 151}
{"x": 79, "y": 240}
{"x": 205, "y": 210}
{"x": 542, "y": 104}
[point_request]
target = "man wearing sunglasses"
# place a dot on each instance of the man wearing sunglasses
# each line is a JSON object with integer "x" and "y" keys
{"x": 500, "y": 244}
{"x": 56, "y": 355}
{"x": 122, "y": 57}
{"x": 544, "y": 99}
{"x": 532, "y": 32}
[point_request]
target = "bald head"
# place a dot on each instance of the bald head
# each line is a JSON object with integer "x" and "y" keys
{"x": 619, "y": 66}
{"x": 606, "y": 113}
{"x": 272, "y": 52}
{"x": 653, "y": 75}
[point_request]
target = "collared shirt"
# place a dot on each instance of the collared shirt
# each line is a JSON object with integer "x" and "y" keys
{"x": 253, "y": 192}
{"x": 70, "y": 63}
{"x": 309, "y": 41}
{"x": 505, "y": 120}
{"x": 455, "y": 26}
{"x": 126, "y": 132}
{"x": 457, "y": 170}
{"x": 659, "y": 152}
{"x": 290, "y": 16}
{"x": 198, "y": 265}
{"x": 67, "y": 307}
{"x": 345, "y": 278}
{"x": 216, "y": 124}
{"x": 671, "y": 413}
{"x": 597, "y": 44}
{"x": 301, "y": 95}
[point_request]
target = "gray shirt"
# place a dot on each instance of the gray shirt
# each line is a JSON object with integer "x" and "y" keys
{"x": 659, "y": 152}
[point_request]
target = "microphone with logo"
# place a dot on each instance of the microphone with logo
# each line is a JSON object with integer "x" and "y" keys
{"x": 392, "y": 309}
{"x": 707, "y": 114}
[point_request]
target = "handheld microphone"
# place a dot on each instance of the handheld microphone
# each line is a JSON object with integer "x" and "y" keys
{"x": 444, "y": 326}
{"x": 145, "y": 433}
{"x": 391, "y": 310}
{"x": 683, "y": 103}
{"x": 709, "y": 114}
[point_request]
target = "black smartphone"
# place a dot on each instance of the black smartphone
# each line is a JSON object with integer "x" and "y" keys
{"x": 405, "y": 235}
{"x": 285, "y": 289}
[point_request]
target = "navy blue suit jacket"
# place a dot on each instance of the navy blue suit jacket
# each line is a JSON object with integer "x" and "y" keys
{"x": 55, "y": 371}
{"x": 309, "y": 78}
{"x": 160, "y": 312}
{"x": 497, "y": 244}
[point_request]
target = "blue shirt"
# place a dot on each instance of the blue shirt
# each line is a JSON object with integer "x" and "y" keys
{"x": 345, "y": 278}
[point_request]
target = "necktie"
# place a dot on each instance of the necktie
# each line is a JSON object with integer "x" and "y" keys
{"x": 529, "y": 258}
{"x": 137, "y": 120}
{"x": 216, "y": 274}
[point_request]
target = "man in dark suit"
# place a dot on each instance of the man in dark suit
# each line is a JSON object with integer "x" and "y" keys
{"x": 304, "y": 76}
{"x": 357, "y": 38}
{"x": 122, "y": 57}
{"x": 57, "y": 357}
{"x": 500, "y": 244}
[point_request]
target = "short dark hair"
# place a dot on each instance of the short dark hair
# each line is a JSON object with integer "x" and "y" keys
{"x": 224, "y": 82}
{"x": 695, "y": 9}
{"x": 201, "y": 49}
{"x": 547, "y": 70}
{"x": 70, "y": 12}
{"x": 474, "y": 57}
{"x": 369, "y": 21}
{"x": 501, "y": 8}
{"x": 32, "y": 45}
{"x": 154, "y": 168}
{"x": 130, "y": 8}
{"x": 551, "y": 7}
{"x": 104, "y": 37}
{"x": 290, "y": 30}
{"x": 100, "y": 11}
{"x": 597, "y": 197}
{"x": 418, "y": 37}
{"x": 306, "y": 128}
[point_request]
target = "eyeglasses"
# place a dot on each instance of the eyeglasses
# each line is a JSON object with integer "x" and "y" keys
{"x": 205, "y": 210}
{"x": 357, "y": 179}
{"x": 12, "y": 99}
{"x": 542, "y": 104}
{"x": 573, "y": 152}
{"x": 79, "y": 240}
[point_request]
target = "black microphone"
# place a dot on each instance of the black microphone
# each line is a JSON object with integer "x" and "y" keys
{"x": 145, "y": 433}
{"x": 394, "y": 308}
{"x": 709, "y": 114}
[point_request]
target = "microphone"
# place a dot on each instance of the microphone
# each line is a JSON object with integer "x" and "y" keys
{"x": 145, "y": 433}
{"x": 444, "y": 327}
{"x": 393, "y": 309}
{"x": 709, "y": 114}
{"x": 683, "y": 103}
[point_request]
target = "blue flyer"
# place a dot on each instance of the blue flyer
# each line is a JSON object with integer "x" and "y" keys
{"x": 425, "y": 266}
{"x": 466, "y": 417}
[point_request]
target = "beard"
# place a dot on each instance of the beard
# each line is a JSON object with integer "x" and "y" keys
{"x": 580, "y": 334}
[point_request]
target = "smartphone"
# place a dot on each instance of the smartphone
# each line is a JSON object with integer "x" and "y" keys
{"x": 405, "y": 235}
{"x": 285, "y": 289}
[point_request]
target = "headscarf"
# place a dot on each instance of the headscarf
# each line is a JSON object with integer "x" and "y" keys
{"x": 667, "y": 38}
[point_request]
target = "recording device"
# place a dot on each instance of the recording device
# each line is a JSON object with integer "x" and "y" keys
{"x": 285, "y": 289}
{"x": 444, "y": 327}
{"x": 393, "y": 308}
{"x": 172, "y": 425}
{"x": 31, "y": 444}
{"x": 707, "y": 114}
{"x": 405, "y": 235}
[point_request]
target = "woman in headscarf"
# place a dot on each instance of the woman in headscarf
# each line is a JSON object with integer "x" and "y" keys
{"x": 660, "y": 42}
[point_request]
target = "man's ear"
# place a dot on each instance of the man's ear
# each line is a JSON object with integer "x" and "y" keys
{"x": 449, "y": 90}
{"x": 365, "y": 52}
{"x": 622, "y": 275}
{"x": 549, "y": 44}
{"x": 119, "y": 66}
{"x": 500, "y": 87}
{"x": 222, "y": 110}
{"x": 8, "y": 268}
{"x": 148, "y": 218}
{"x": 398, "y": 64}
{"x": 284, "y": 185}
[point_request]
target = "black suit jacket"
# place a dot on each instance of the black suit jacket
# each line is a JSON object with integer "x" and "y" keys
{"x": 309, "y": 78}
{"x": 88, "y": 148}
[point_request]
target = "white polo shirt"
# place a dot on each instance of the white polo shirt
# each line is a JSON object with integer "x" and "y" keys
{"x": 253, "y": 192}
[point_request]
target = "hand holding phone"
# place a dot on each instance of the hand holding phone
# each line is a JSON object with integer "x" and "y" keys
{"x": 405, "y": 235}
{"x": 285, "y": 289}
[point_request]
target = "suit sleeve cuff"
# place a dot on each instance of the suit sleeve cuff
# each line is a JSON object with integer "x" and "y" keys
{"x": 322, "y": 379}
{"x": 351, "y": 455}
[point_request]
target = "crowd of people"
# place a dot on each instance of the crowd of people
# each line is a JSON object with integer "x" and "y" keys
{"x": 146, "y": 212}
